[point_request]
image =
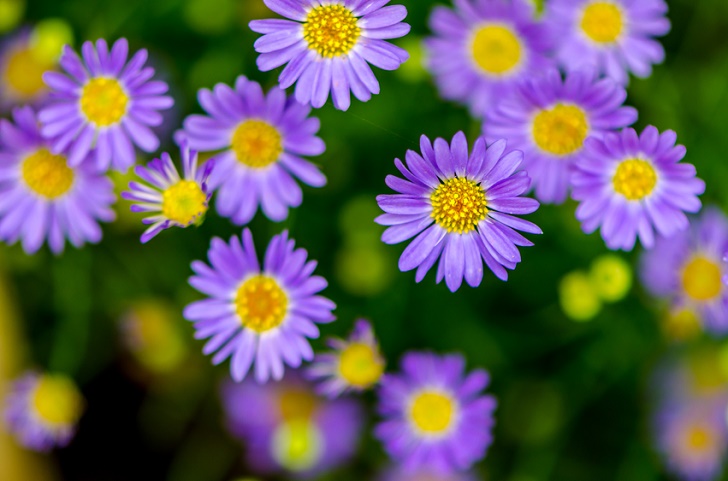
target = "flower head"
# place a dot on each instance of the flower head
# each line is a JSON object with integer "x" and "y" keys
{"x": 42, "y": 410}
{"x": 43, "y": 198}
{"x": 434, "y": 414}
{"x": 634, "y": 185}
{"x": 103, "y": 103}
{"x": 460, "y": 207}
{"x": 483, "y": 49}
{"x": 329, "y": 46}
{"x": 258, "y": 315}
{"x": 262, "y": 138}
{"x": 356, "y": 364}
{"x": 21, "y": 71}
{"x": 550, "y": 118}
{"x": 173, "y": 200}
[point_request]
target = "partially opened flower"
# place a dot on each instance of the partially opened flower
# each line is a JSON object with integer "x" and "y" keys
{"x": 262, "y": 139}
{"x": 172, "y": 200}
{"x": 459, "y": 207}
{"x": 42, "y": 410}
{"x": 435, "y": 415}
{"x": 483, "y": 48}
{"x": 103, "y": 103}
{"x": 632, "y": 186}
{"x": 43, "y": 198}
{"x": 355, "y": 364}
{"x": 262, "y": 316}
{"x": 614, "y": 36}
{"x": 549, "y": 118}
{"x": 329, "y": 46}
{"x": 21, "y": 71}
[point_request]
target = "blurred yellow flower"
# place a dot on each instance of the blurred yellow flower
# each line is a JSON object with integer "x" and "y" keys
{"x": 579, "y": 300}
{"x": 611, "y": 277}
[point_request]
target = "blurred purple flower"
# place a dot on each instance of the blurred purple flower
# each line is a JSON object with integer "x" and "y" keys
{"x": 21, "y": 71}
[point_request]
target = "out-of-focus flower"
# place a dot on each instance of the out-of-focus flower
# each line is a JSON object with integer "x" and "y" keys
{"x": 459, "y": 208}
{"x": 11, "y": 13}
{"x": 483, "y": 49}
{"x": 400, "y": 474}
{"x": 103, "y": 103}
{"x": 615, "y": 36}
{"x": 435, "y": 416}
{"x": 356, "y": 364}
{"x": 611, "y": 277}
{"x": 42, "y": 410}
{"x": 681, "y": 323}
{"x": 550, "y": 118}
{"x": 172, "y": 201}
{"x": 688, "y": 269}
{"x": 44, "y": 199}
{"x": 263, "y": 138}
{"x": 253, "y": 314}
{"x": 329, "y": 46}
{"x": 578, "y": 298}
{"x": 292, "y": 430}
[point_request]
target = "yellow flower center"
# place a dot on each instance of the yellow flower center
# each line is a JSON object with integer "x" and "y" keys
{"x": 634, "y": 179}
{"x": 560, "y": 130}
{"x": 602, "y": 22}
{"x": 24, "y": 73}
{"x": 261, "y": 303}
{"x": 257, "y": 144}
{"x": 103, "y": 101}
{"x": 47, "y": 174}
{"x": 184, "y": 202}
{"x": 360, "y": 365}
{"x": 56, "y": 400}
{"x": 432, "y": 412}
{"x": 295, "y": 403}
{"x": 297, "y": 445}
{"x": 458, "y": 204}
{"x": 701, "y": 279}
{"x": 698, "y": 439}
{"x": 496, "y": 49}
{"x": 682, "y": 324}
{"x": 331, "y": 30}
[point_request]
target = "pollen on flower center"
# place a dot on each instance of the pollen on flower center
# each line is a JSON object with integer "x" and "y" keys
{"x": 257, "y": 144}
{"x": 360, "y": 365}
{"x": 184, "y": 202}
{"x": 24, "y": 72}
{"x": 331, "y": 30}
{"x": 103, "y": 101}
{"x": 57, "y": 401}
{"x": 496, "y": 49}
{"x": 261, "y": 304}
{"x": 458, "y": 205}
{"x": 701, "y": 279}
{"x": 635, "y": 179}
{"x": 602, "y": 22}
{"x": 47, "y": 174}
{"x": 560, "y": 130}
{"x": 432, "y": 412}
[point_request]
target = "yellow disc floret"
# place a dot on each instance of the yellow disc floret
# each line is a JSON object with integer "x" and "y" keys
{"x": 458, "y": 205}
{"x": 432, "y": 412}
{"x": 24, "y": 73}
{"x": 56, "y": 400}
{"x": 297, "y": 445}
{"x": 360, "y": 365}
{"x": 701, "y": 279}
{"x": 47, "y": 174}
{"x": 331, "y": 30}
{"x": 257, "y": 144}
{"x": 698, "y": 440}
{"x": 560, "y": 130}
{"x": 602, "y": 22}
{"x": 635, "y": 179}
{"x": 496, "y": 49}
{"x": 261, "y": 304}
{"x": 296, "y": 403}
{"x": 184, "y": 202}
{"x": 103, "y": 101}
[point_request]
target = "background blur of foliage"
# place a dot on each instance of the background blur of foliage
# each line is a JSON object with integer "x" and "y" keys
{"x": 573, "y": 396}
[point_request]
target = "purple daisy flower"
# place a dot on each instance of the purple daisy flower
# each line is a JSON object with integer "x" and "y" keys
{"x": 614, "y": 36}
{"x": 356, "y": 364}
{"x": 434, "y": 414}
{"x": 460, "y": 207}
{"x": 172, "y": 200}
{"x": 293, "y": 430}
{"x": 632, "y": 185}
{"x": 43, "y": 199}
{"x": 21, "y": 71}
{"x": 42, "y": 410}
{"x": 258, "y": 315}
{"x": 688, "y": 269}
{"x": 550, "y": 118}
{"x": 483, "y": 49}
{"x": 329, "y": 46}
{"x": 104, "y": 103}
{"x": 262, "y": 138}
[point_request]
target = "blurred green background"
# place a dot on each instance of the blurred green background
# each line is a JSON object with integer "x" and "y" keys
{"x": 572, "y": 395}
